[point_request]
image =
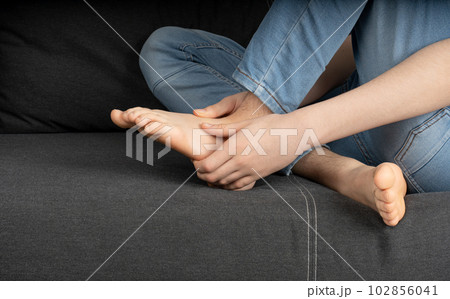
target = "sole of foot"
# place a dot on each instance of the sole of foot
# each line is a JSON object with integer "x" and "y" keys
{"x": 184, "y": 131}
{"x": 384, "y": 189}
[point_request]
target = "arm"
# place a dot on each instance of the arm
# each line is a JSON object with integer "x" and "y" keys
{"x": 418, "y": 85}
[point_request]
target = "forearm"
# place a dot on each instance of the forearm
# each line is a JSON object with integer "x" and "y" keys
{"x": 418, "y": 85}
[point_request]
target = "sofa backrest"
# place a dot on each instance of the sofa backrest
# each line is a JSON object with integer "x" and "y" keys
{"x": 63, "y": 69}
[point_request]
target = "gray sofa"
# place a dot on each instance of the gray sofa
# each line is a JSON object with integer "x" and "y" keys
{"x": 73, "y": 206}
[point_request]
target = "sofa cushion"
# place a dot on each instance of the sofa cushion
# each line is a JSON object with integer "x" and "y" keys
{"x": 63, "y": 69}
{"x": 68, "y": 201}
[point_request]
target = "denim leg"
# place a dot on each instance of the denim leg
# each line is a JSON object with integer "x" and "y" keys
{"x": 292, "y": 47}
{"x": 188, "y": 69}
{"x": 386, "y": 34}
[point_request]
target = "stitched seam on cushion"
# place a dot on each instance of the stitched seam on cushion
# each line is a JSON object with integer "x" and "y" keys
{"x": 308, "y": 226}
{"x": 240, "y": 71}
{"x": 315, "y": 227}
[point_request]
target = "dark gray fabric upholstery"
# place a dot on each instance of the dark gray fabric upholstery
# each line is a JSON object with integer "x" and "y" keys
{"x": 57, "y": 57}
{"x": 68, "y": 201}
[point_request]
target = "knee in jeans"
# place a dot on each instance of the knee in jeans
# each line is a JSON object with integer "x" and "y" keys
{"x": 157, "y": 52}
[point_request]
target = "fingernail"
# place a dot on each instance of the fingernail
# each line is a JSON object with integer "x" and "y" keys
{"x": 207, "y": 125}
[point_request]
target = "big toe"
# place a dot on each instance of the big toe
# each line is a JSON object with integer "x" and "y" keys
{"x": 117, "y": 118}
{"x": 384, "y": 177}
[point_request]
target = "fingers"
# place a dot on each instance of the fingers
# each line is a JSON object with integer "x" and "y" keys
{"x": 242, "y": 184}
{"x": 248, "y": 187}
{"x": 212, "y": 162}
{"x": 218, "y": 176}
{"x": 224, "y": 130}
{"x": 232, "y": 177}
{"x": 225, "y": 106}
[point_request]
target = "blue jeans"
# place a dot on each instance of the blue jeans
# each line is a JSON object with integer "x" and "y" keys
{"x": 288, "y": 53}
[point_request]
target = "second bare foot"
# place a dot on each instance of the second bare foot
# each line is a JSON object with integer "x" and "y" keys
{"x": 383, "y": 188}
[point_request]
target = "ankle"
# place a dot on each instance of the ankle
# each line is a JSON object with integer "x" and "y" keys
{"x": 358, "y": 183}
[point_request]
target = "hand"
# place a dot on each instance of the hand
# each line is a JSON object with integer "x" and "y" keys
{"x": 257, "y": 152}
{"x": 226, "y": 106}
{"x": 235, "y": 108}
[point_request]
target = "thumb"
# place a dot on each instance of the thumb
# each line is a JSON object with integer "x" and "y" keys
{"x": 225, "y": 106}
{"x": 223, "y": 130}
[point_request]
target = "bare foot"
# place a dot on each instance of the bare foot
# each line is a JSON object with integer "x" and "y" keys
{"x": 383, "y": 188}
{"x": 186, "y": 128}
{"x": 182, "y": 128}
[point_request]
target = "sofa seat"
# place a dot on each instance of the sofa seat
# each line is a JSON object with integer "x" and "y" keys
{"x": 69, "y": 200}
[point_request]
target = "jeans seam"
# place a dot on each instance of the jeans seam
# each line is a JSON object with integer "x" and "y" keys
{"x": 409, "y": 141}
{"x": 427, "y": 124}
{"x": 168, "y": 76}
{"x": 210, "y": 45}
{"x": 209, "y": 69}
{"x": 258, "y": 84}
{"x": 223, "y": 78}
{"x": 285, "y": 39}
{"x": 363, "y": 149}
{"x": 408, "y": 176}
{"x": 219, "y": 45}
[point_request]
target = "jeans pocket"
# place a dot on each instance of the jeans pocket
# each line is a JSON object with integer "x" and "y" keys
{"x": 425, "y": 156}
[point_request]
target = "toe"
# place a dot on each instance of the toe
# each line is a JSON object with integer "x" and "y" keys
{"x": 393, "y": 222}
{"x": 390, "y": 219}
{"x": 152, "y": 127}
{"x": 384, "y": 177}
{"x": 388, "y": 216}
{"x": 117, "y": 117}
{"x": 151, "y": 116}
{"x": 133, "y": 113}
